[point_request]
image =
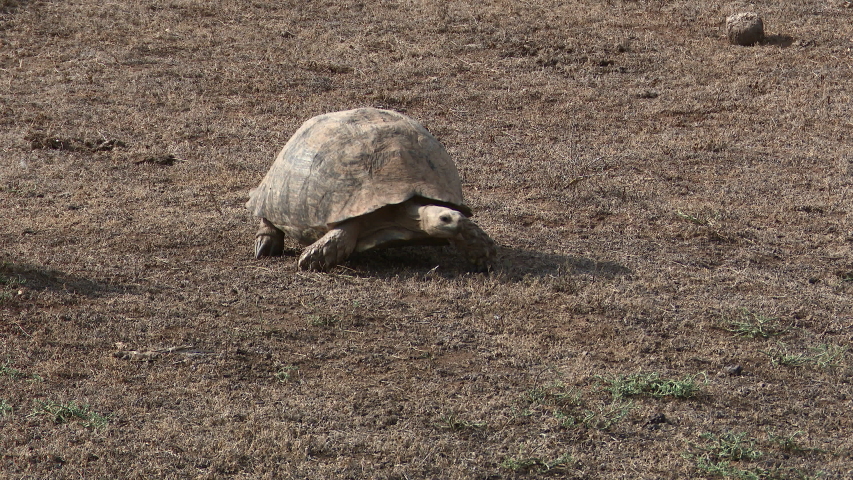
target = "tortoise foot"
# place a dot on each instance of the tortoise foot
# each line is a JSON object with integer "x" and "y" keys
{"x": 269, "y": 241}
{"x": 331, "y": 249}
{"x": 475, "y": 245}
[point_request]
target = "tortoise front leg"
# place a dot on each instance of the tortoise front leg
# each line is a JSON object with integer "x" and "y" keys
{"x": 331, "y": 249}
{"x": 475, "y": 244}
{"x": 269, "y": 241}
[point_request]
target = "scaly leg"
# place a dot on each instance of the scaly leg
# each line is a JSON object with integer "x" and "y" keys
{"x": 475, "y": 244}
{"x": 331, "y": 249}
{"x": 269, "y": 241}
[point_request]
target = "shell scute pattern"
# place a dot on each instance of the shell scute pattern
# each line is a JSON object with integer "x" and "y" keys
{"x": 337, "y": 168}
{"x": 354, "y": 180}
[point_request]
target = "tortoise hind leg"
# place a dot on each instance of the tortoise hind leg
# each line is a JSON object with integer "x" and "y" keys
{"x": 332, "y": 248}
{"x": 269, "y": 241}
{"x": 474, "y": 244}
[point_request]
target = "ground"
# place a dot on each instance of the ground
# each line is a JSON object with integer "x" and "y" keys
{"x": 672, "y": 298}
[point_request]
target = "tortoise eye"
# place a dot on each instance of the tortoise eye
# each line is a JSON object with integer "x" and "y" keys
{"x": 445, "y": 219}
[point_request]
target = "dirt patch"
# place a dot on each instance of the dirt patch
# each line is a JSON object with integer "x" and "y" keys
{"x": 670, "y": 209}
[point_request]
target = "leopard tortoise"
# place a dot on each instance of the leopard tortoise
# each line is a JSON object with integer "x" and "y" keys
{"x": 353, "y": 180}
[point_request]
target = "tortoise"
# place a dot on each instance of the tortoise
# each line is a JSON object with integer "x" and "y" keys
{"x": 358, "y": 179}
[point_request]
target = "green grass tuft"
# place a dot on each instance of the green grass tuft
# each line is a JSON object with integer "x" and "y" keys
{"x": 823, "y": 356}
{"x": 323, "y": 320}
{"x": 753, "y": 325}
{"x": 653, "y": 385}
{"x": 8, "y": 286}
{"x": 530, "y": 464}
{"x": 829, "y": 356}
{"x": 5, "y": 408}
{"x": 66, "y": 412}
{"x": 692, "y": 218}
{"x": 15, "y": 374}
{"x": 286, "y": 373}
{"x": 451, "y": 421}
{"x": 606, "y": 416}
{"x": 731, "y": 446}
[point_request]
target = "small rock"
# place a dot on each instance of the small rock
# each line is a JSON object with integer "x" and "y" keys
{"x": 745, "y": 29}
{"x": 657, "y": 418}
{"x": 733, "y": 369}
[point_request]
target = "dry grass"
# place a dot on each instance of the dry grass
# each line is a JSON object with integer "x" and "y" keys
{"x": 651, "y": 187}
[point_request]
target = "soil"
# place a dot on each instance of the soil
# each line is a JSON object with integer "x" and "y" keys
{"x": 666, "y": 204}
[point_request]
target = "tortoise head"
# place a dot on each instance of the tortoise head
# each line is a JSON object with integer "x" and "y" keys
{"x": 440, "y": 222}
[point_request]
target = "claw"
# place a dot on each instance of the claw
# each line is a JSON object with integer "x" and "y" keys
{"x": 331, "y": 249}
{"x": 268, "y": 246}
{"x": 269, "y": 241}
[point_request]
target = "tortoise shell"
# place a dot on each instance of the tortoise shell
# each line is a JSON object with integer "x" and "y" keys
{"x": 342, "y": 165}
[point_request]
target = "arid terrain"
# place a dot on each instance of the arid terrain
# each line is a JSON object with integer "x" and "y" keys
{"x": 672, "y": 298}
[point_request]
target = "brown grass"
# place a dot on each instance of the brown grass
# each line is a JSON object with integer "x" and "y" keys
{"x": 653, "y": 189}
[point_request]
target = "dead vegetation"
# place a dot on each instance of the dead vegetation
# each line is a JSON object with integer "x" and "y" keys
{"x": 670, "y": 208}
